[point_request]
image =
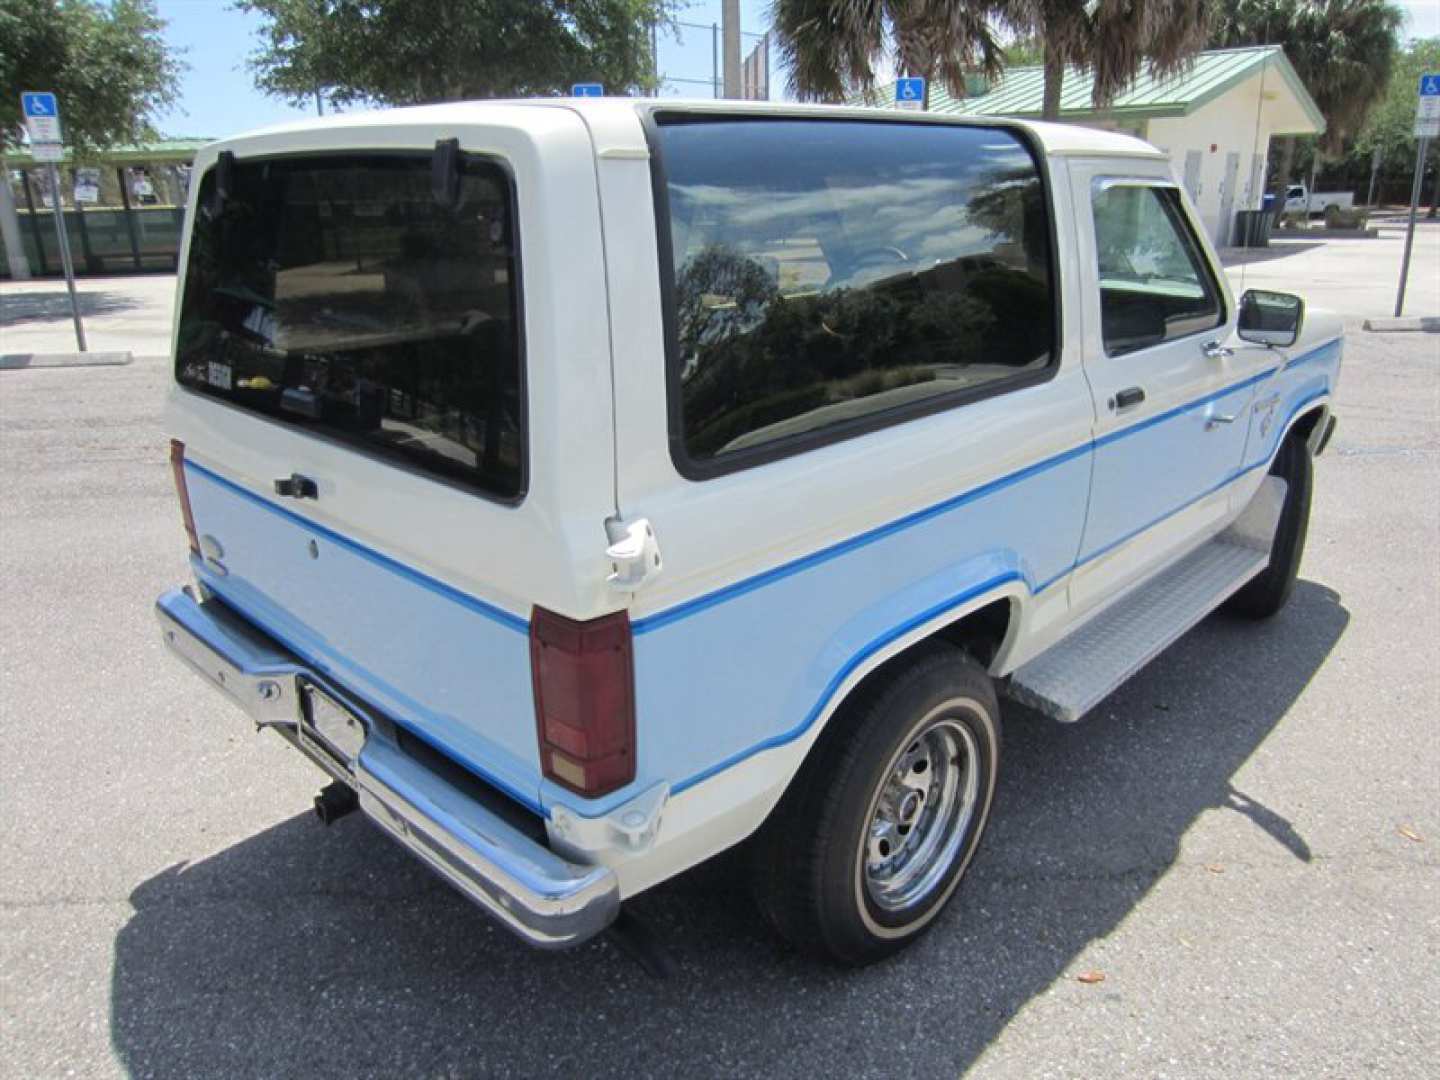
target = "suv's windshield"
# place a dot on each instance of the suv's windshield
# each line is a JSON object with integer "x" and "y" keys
{"x": 336, "y": 294}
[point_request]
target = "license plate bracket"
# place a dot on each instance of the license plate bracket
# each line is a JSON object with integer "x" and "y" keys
{"x": 329, "y": 730}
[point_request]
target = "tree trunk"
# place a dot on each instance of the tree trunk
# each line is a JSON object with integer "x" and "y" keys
{"x": 1054, "y": 81}
{"x": 10, "y": 228}
{"x": 1286, "y": 167}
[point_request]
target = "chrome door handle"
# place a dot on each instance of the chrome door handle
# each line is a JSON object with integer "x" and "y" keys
{"x": 1215, "y": 420}
{"x": 1213, "y": 350}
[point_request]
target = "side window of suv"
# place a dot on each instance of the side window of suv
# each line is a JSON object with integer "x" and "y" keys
{"x": 1154, "y": 284}
{"x": 830, "y": 277}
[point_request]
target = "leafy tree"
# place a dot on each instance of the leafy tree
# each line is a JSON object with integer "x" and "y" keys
{"x": 1390, "y": 128}
{"x": 405, "y": 52}
{"x": 1343, "y": 51}
{"x": 108, "y": 64}
{"x": 831, "y": 49}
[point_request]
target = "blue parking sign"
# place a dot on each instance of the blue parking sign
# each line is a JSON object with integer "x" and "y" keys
{"x": 587, "y": 89}
{"x": 910, "y": 93}
{"x": 39, "y": 104}
{"x": 1430, "y": 84}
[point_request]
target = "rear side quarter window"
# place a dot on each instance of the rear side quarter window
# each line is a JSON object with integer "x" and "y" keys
{"x": 825, "y": 278}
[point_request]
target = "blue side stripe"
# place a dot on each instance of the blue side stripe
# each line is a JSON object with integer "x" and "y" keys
{"x": 947, "y": 605}
{"x": 731, "y": 592}
{"x": 475, "y": 604}
{"x": 1319, "y": 353}
{"x": 1229, "y": 479}
{"x": 844, "y": 673}
{"x": 740, "y": 588}
{"x": 1171, "y": 414}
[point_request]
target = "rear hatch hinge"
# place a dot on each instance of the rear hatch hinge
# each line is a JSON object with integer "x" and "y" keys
{"x": 633, "y": 552}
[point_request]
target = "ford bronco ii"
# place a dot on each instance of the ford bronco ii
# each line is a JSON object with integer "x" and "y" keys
{"x": 588, "y": 487}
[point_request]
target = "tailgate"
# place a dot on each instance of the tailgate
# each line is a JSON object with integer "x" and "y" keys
{"x": 371, "y": 383}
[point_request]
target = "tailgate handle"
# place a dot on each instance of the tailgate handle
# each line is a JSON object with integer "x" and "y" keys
{"x": 296, "y": 486}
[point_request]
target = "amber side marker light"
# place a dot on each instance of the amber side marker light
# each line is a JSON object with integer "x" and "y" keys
{"x": 584, "y": 678}
{"x": 177, "y": 469}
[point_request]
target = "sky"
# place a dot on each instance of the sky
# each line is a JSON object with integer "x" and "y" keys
{"x": 218, "y": 97}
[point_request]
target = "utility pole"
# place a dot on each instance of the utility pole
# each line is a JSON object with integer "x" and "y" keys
{"x": 731, "y": 16}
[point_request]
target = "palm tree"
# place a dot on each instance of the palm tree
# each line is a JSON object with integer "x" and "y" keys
{"x": 1343, "y": 51}
{"x": 1111, "y": 38}
{"x": 830, "y": 48}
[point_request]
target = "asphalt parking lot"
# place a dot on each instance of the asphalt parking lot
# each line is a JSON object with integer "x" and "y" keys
{"x": 1244, "y": 841}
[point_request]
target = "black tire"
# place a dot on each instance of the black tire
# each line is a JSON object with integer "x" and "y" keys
{"x": 1267, "y": 592}
{"x": 811, "y": 862}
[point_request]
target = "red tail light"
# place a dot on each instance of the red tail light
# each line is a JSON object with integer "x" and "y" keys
{"x": 177, "y": 468}
{"x": 584, "y": 678}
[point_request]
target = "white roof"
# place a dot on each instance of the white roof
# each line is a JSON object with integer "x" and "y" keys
{"x": 612, "y": 114}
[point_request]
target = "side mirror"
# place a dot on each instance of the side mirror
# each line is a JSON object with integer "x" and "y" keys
{"x": 1270, "y": 318}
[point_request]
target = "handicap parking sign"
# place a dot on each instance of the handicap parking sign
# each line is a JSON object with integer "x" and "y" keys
{"x": 42, "y": 116}
{"x": 910, "y": 93}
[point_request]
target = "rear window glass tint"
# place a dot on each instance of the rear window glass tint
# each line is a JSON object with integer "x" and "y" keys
{"x": 831, "y": 275}
{"x": 336, "y": 295}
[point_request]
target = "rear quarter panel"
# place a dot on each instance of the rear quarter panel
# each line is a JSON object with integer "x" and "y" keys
{"x": 784, "y": 582}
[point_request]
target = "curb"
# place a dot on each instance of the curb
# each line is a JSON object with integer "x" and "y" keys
{"x": 12, "y": 361}
{"x": 1429, "y": 324}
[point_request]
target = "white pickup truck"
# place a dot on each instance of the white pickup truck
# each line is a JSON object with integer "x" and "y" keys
{"x": 588, "y": 487}
{"x": 1299, "y": 201}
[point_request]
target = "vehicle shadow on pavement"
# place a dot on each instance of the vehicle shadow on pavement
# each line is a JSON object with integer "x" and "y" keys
{"x": 309, "y": 952}
{"x": 17, "y": 308}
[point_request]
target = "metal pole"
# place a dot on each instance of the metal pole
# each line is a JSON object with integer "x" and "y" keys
{"x": 1374, "y": 175}
{"x": 655, "y": 57}
{"x": 1410, "y": 232}
{"x": 65, "y": 254}
{"x": 120, "y": 173}
{"x": 715, "y": 58}
{"x": 730, "y": 13}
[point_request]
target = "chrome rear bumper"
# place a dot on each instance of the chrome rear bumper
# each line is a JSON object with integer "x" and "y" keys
{"x": 547, "y": 901}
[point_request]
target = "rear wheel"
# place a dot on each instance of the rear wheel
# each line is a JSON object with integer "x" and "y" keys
{"x": 875, "y": 833}
{"x": 1267, "y": 592}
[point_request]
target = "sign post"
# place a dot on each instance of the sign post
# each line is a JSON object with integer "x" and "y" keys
{"x": 1427, "y": 127}
{"x": 910, "y": 94}
{"x": 42, "y": 121}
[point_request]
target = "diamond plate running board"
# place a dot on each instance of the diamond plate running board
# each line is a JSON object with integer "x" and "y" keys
{"x": 1076, "y": 674}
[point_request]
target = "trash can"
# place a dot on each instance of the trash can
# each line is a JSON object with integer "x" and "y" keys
{"x": 1252, "y": 228}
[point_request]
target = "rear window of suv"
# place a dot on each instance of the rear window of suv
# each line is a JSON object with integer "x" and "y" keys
{"x": 828, "y": 277}
{"x": 336, "y": 295}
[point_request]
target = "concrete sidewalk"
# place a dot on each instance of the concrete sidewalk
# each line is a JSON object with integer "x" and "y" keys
{"x": 1354, "y": 278}
{"x": 129, "y": 313}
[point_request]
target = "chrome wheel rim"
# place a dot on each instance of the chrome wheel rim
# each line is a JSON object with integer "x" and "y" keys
{"x": 920, "y": 814}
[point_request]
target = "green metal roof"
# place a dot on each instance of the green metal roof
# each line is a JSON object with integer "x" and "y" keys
{"x": 1021, "y": 91}
{"x": 162, "y": 150}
